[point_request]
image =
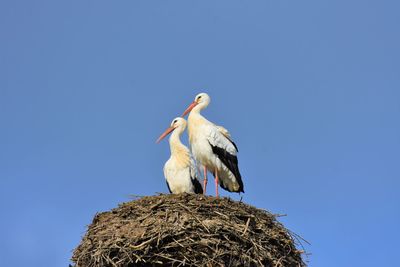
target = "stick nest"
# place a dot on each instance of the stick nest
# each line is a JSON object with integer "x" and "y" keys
{"x": 186, "y": 230}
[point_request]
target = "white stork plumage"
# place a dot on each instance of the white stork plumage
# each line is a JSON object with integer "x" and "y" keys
{"x": 180, "y": 169}
{"x": 213, "y": 148}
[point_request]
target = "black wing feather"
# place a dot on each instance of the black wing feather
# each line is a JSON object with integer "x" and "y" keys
{"x": 169, "y": 189}
{"x": 233, "y": 143}
{"x": 198, "y": 189}
{"x": 231, "y": 162}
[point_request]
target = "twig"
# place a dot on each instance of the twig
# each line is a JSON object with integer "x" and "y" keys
{"x": 142, "y": 244}
{"x": 246, "y": 227}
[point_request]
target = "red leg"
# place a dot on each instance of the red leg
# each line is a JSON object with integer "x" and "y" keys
{"x": 216, "y": 182}
{"x": 205, "y": 180}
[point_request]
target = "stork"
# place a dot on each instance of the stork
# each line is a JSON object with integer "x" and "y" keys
{"x": 180, "y": 169}
{"x": 213, "y": 148}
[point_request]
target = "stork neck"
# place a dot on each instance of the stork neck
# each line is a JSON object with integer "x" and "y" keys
{"x": 199, "y": 107}
{"x": 195, "y": 117}
{"x": 175, "y": 143}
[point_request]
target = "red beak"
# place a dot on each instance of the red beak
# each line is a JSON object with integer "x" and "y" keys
{"x": 167, "y": 132}
{"x": 191, "y": 106}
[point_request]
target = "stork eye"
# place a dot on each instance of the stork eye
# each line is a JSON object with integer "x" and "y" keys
{"x": 175, "y": 121}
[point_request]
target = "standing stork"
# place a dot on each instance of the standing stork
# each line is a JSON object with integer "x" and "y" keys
{"x": 213, "y": 148}
{"x": 180, "y": 170}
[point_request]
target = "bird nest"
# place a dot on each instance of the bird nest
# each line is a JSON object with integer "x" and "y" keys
{"x": 186, "y": 230}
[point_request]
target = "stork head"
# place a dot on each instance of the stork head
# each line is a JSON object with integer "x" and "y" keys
{"x": 200, "y": 101}
{"x": 178, "y": 124}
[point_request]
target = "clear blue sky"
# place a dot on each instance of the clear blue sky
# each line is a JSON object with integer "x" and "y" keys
{"x": 310, "y": 91}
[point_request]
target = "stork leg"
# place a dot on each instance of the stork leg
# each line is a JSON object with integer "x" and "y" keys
{"x": 216, "y": 182}
{"x": 205, "y": 180}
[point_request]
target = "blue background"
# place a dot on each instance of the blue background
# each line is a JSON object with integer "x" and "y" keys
{"x": 310, "y": 91}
